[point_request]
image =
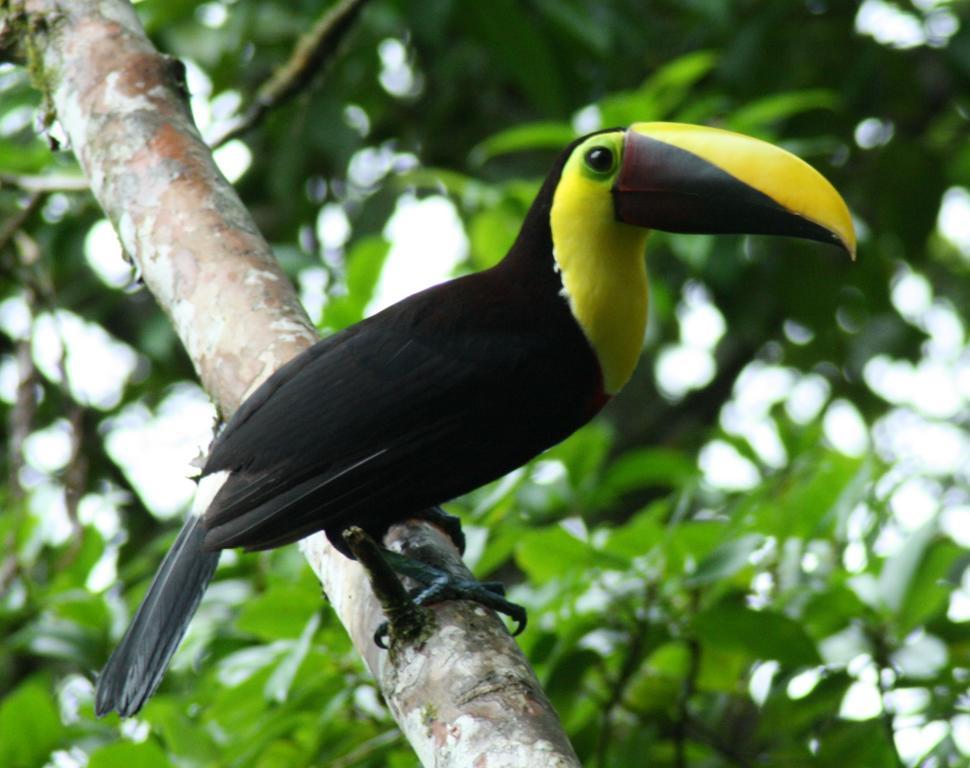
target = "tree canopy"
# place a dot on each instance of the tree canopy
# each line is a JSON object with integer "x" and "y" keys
{"x": 758, "y": 554}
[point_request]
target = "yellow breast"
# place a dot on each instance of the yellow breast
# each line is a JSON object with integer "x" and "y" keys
{"x": 603, "y": 272}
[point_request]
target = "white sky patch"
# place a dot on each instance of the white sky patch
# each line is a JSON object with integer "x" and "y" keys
{"x": 954, "y": 220}
{"x": 369, "y": 165}
{"x": 680, "y": 369}
{"x": 9, "y": 379}
{"x": 845, "y": 429}
{"x": 101, "y": 510}
{"x": 916, "y": 741}
{"x": 935, "y": 391}
{"x": 98, "y": 366}
{"x": 797, "y": 333}
{"x": 807, "y": 398}
{"x": 861, "y": 702}
{"x": 233, "y": 158}
{"x": 48, "y": 450}
{"x": 759, "y": 685}
{"x": 15, "y": 120}
{"x": 803, "y": 683}
{"x": 911, "y": 294}
{"x": 15, "y": 317}
{"x": 955, "y": 522}
{"x": 683, "y": 367}
{"x": 47, "y": 507}
{"x": 156, "y": 450}
{"x": 104, "y": 255}
{"x": 427, "y": 242}
{"x": 889, "y": 25}
{"x": 959, "y": 607}
{"x": 313, "y": 291}
{"x": 842, "y": 647}
{"x": 759, "y": 388}
{"x": 725, "y": 468}
{"x": 922, "y": 657}
{"x": 212, "y": 15}
{"x": 938, "y": 385}
{"x": 945, "y": 329}
{"x": 356, "y": 118}
{"x": 397, "y": 76}
{"x": 960, "y": 731}
{"x": 587, "y": 119}
{"x": 225, "y": 104}
{"x": 333, "y": 226}
{"x": 928, "y": 447}
{"x": 874, "y": 132}
{"x": 200, "y": 89}
{"x": 701, "y": 323}
{"x": 914, "y": 503}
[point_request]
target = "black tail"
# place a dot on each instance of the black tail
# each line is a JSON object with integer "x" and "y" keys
{"x": 136, "y": 667}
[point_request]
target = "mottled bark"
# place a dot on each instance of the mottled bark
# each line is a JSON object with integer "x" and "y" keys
{"x": 463, "y": 697}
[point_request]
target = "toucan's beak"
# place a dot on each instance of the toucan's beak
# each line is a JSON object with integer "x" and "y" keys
{"x": 685, "y": 178}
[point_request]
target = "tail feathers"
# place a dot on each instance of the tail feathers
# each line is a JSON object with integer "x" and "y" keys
{"x": 136, "y": 667}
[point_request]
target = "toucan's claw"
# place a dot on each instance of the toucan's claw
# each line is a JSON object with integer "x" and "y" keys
{"x": 438, "y": 585}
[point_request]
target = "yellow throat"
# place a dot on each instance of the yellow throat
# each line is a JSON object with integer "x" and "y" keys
{"x": 602, "y": 267}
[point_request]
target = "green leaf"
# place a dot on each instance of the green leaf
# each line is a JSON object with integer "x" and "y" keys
{"x": 661, "y": 93}
{"x": 279, "y": 613}
{"x": 690, "y": 542}
{"x": 23, "y": 157}
{"x": 782, "y": 714}
{"x": 898, "y": 572}
{"x": 647, "y": 468}
{"x": 180, "y": 734}
{"x": 761, "y": 634}
{"x": 567, "y": 676}
{"x": 364, "y": 264}
{"x": 530, "y": 136}
{"x": 757, "y": 116}
{"x": 278, "y": 686}
{"x": 127, "y": 755}
{"x": 857, "y": 744}
{"x": 937, "y": 575}
{"x": 815, "y": 497}
{"x": 492, "y": 233}
{"x": 553, "y": 552}
{"x": 519, "y": 50}
{"x": 641, "y": 534}
{"x": 59, "y": 639}
{"x": 726, "y": 560}
{"x": 30, "y": 727}
{"x": 831, "y": 610}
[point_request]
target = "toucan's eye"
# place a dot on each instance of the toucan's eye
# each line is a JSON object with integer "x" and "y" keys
{"x": 600, "y": 159}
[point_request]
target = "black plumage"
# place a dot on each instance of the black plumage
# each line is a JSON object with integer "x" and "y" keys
{"x": 426, "y": 400}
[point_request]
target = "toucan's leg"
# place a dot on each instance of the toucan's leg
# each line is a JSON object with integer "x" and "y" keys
{"x": 438, "y": 585}
{"x": 448, "y": 523}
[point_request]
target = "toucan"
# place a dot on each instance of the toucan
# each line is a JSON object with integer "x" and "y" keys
{"x": 458, "y": 384}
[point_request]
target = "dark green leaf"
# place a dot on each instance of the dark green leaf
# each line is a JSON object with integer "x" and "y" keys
{"x": 761, "y": 634}
{"x": 30, "y": 727}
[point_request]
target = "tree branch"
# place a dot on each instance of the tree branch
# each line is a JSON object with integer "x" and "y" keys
{"x": 311, "y": 54}
{"x": 462, "y": 696}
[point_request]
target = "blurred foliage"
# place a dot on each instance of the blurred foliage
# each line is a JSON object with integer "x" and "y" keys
{"x": 765, "y": 566}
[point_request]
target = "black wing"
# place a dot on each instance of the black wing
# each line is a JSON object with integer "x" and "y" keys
{"x": 368, "y": 426}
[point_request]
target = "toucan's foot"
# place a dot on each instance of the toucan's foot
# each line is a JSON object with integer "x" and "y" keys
{"x": 438, "y": 585}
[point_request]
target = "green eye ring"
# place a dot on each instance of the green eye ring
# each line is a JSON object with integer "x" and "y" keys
{"x": 600, "y": 159}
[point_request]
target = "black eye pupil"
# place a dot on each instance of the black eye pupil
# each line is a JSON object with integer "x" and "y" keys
{"x": 600, "y": 159}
